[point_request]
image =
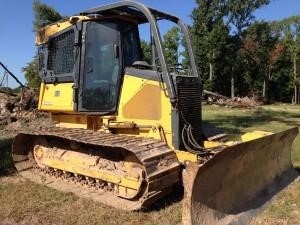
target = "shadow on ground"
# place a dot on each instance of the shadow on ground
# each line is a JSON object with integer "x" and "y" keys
{"x": 6, "y": 161}
{"x": 297, "y": 168}
{"x": 232, "y": 124}
{"x": 174, "y": 197}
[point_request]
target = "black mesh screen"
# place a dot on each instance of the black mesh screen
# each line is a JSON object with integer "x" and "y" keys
{"x": 61, "y": 53}
{"x": 189, "y": 104}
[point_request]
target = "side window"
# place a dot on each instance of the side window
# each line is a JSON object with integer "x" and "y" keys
{"x": 100, "y": 61}
{"x": 61, "y": 53}
{"x": 131, "y": 45}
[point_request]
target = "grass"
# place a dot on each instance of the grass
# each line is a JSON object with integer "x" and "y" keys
{"x": 271, "y": 118}
{"x": 41, "y": 205}
{"x": 24, "y": 202}
{"x": 284, "y": 209}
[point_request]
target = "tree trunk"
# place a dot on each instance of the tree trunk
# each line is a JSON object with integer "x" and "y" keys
{"x": 296, "y": 100}
{"x": 232, "y": 86}
{"x": 295, "y": 97}
{"x": 267, "y": 78}
{"x": 264, "y": 89}
{"x": 298, "y": 96}
{"x": 211, "y": 67}
{"x": 210, "y": 71}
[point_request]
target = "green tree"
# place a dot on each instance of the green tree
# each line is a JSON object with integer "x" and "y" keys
{"x": 239, "y": 15}
{"x": 290, "y": 28}
{"x": 147, "y": 53}
{"x": 263, "y": 48}
{"x": 282, "y": 81}
{"x": 185, "y": 59}
{"x": 31, "y": 73}
{"x": 171, "y": 44}
{"x": 43, "y": 15}
{"x": 217, "y": 38}
{"x": 207, "y": 36}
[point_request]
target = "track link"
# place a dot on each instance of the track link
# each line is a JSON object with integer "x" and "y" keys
{"x": 160, "y": 162}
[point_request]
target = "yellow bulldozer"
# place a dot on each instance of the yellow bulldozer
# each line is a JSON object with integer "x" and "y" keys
{"x": 133, "y": 130}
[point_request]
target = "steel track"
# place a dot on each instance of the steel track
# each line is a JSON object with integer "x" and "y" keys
{"x": 160, "y": 162}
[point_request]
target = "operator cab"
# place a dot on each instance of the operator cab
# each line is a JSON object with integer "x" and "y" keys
{"x": 108, "y": 47}
{"x": 94, "y": 48}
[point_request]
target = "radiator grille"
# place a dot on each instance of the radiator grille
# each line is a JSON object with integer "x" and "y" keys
{"x": 61, "y": 53}
{"x": 189, "y": 106}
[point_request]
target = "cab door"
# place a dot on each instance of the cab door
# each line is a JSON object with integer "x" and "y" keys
{"x": 100, "y": 67}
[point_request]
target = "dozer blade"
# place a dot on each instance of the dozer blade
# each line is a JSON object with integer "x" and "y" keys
{"x": 233, "y": 186}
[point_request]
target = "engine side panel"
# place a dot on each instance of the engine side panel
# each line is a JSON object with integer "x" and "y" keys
{"x": 56, "y": 97}
{"x": 144, "y": 102}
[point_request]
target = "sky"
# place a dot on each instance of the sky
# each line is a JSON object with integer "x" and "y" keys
{"x": 17, "y": 37}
